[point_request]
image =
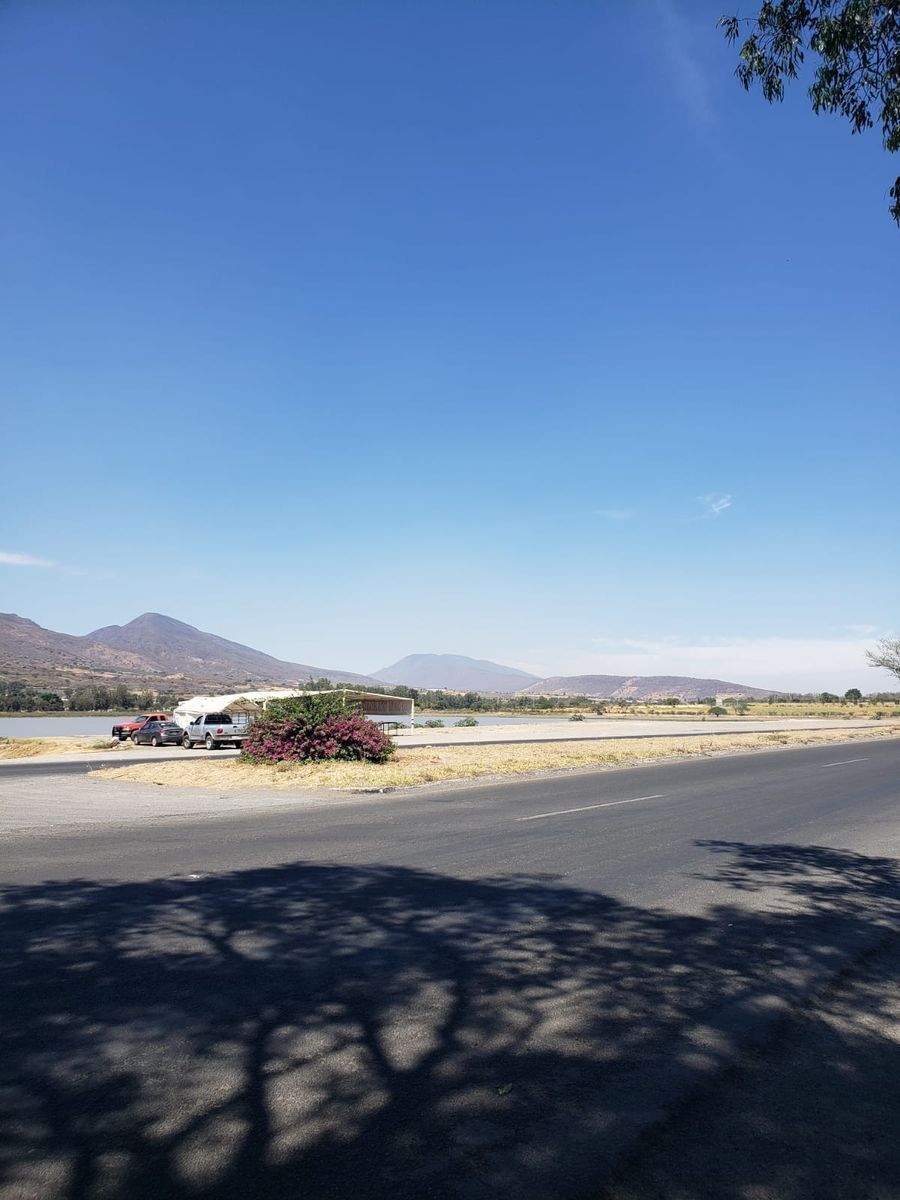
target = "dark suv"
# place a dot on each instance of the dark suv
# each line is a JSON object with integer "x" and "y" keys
{"x": 158, "y": 733}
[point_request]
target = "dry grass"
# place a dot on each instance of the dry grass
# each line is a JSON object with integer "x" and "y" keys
{"x": 33, "y": 747}
{"x": 421, "y": 764}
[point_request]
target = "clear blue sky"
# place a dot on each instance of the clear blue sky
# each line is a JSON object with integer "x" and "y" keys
{"x": 513, "y": 329}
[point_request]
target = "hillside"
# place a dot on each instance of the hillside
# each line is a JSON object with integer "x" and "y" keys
{"x": 176, "y": 648}
{"x": 28, "y": 652}
{"x": 456, "y": 673}
{"x": 642, "y": 687}
{"x": 152, "y": 651}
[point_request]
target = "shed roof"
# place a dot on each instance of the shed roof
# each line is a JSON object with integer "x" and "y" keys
{"x": 256, "y": 700}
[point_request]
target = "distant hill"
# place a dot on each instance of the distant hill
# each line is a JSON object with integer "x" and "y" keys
{"x": 28, "y": 651}
{"x": 642, "y": 687}
{"x": 152, "y": 651}
{"x": 456, "y": 673}
{"x": 179, "y": 649}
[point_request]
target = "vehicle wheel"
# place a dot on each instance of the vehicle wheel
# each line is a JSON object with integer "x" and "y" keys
{"x": 210, "y": 744}
{"x": 187, "y": 743}
{"x": 133, "y": 737}
{"x": 154, "y": 741}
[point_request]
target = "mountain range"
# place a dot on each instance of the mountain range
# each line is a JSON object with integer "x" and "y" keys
{"x": 159, "y": 652}
{"x": 151, "y": 651}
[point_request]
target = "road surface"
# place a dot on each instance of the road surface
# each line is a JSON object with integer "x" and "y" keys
{"x": 457, "y": 992}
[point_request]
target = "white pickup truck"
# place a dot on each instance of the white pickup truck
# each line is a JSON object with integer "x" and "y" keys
{"x": 213, "y": 730}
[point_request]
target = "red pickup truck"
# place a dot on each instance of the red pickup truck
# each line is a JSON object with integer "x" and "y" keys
{"x": 127, "y": 728}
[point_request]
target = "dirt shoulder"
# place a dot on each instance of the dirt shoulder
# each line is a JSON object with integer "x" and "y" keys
{"x": 417, "y": 765}
{"x": 38, "y": 747}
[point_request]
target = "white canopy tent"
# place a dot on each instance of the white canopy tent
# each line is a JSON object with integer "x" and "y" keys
{"x": 246, "y": 705}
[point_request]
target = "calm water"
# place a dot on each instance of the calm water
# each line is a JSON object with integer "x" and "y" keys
{"x": 102, "y": 726}
{"x": 57, "y": 726}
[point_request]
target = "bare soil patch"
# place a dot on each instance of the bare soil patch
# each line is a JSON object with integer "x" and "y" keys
{"x": 37, "y": 746}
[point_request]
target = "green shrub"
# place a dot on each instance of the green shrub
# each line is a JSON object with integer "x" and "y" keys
{"x": 466, "y": 723}
{"x": 313, "y": 709}
{"x": 320, "y": 726}
{"x": 577, "y": 717}
{"x": 433, "y": 724}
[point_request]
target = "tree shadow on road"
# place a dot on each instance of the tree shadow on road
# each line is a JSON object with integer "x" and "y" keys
{"x": 812, "y": 1112}
{"x": 373, "y": 1031}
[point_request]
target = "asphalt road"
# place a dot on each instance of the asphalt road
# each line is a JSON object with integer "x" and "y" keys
{"x": 81, "y": 764}
{"x": 449, "y": 993}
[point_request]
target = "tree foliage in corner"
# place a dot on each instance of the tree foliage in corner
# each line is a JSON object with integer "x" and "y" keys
{"x": 857, "y": 43}
{"x": 887, "y": 656}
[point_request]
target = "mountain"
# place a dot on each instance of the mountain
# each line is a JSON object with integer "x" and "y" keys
{"x": 456, "y": 673}
{"x": 28, "y": 651}
{"x": 642, "y": 687}
{"x": 178, "y": 649}
{"x": 152, "y": 651}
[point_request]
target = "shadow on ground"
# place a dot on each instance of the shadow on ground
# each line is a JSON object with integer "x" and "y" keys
{"x": 338, "y": 1031}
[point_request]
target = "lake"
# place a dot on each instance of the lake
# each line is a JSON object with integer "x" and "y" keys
{"x": 16, "y": 727}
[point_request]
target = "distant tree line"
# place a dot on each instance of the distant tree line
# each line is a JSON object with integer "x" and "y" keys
{"x": 441, "y": 700}
{"x": 88, "y": 697}
{"x": 95, "y": 697}
{"x": 19, "y": 697}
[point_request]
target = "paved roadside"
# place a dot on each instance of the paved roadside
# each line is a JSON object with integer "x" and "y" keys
{"x": 812, "y": 1114}
{"x": 41, "y": 803}
{"x": 41, "y": 797}
{"x": 606, "y": 727}
{"x": 90, "y": 760}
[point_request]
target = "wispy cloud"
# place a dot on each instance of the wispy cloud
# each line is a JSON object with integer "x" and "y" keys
{"x": 715, "y": 503}
{"x": 689, "y": 80}
{"x": 862, "y": 630}
{"x": 9, "y": 559}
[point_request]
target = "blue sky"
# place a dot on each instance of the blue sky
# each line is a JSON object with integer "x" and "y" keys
{"x": 514, "y": 329}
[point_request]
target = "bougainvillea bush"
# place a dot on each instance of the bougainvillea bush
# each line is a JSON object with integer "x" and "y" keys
{"x": 313, "y": 728}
